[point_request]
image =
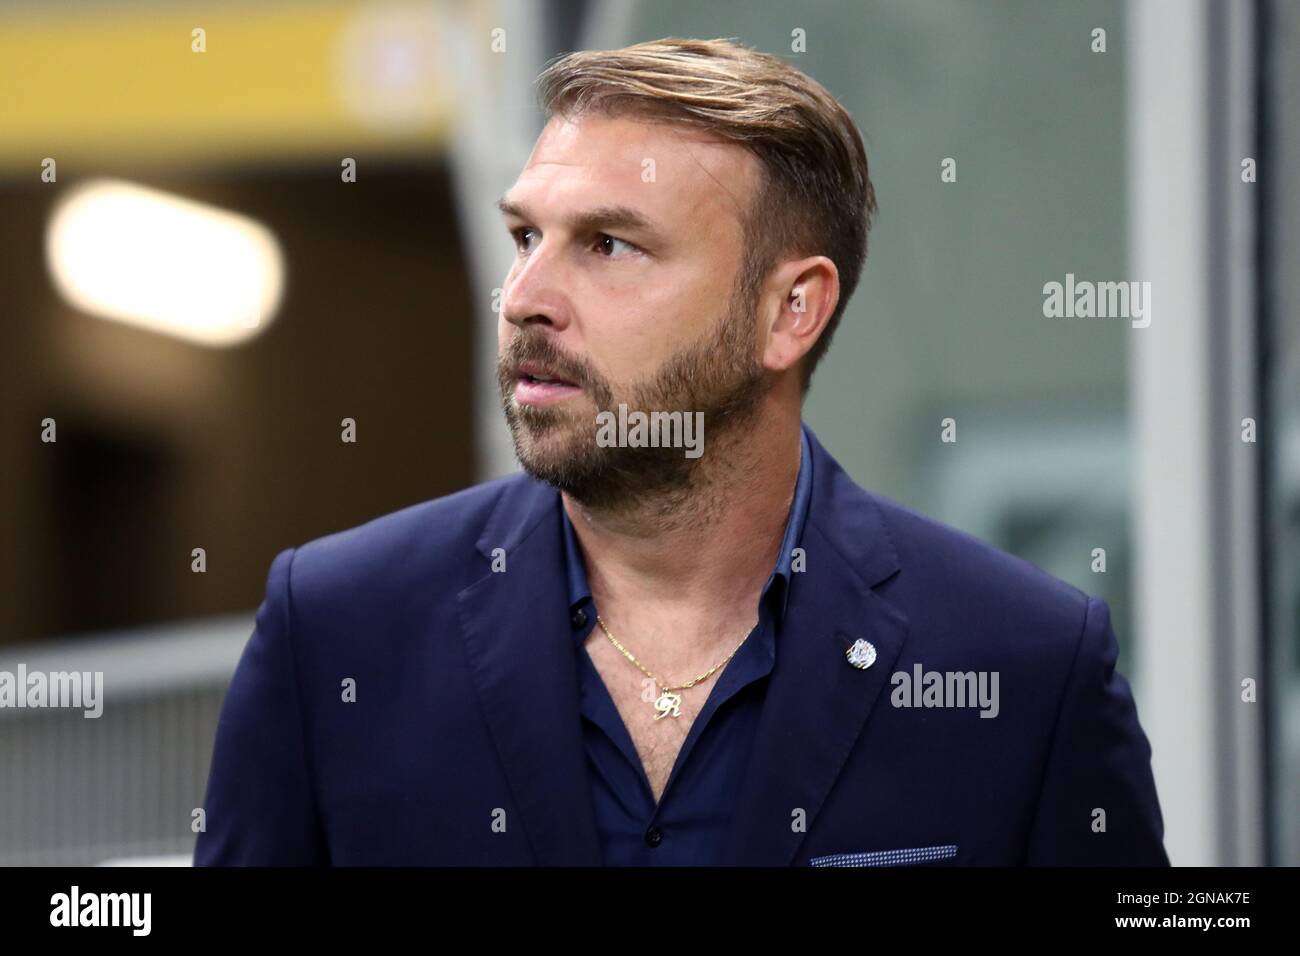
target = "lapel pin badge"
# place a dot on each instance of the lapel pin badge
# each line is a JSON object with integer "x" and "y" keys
{"x": 862, "y": 654}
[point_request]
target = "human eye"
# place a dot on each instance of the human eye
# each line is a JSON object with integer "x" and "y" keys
{"x": 611, "y": 243}
{"x": 520, "y": 235}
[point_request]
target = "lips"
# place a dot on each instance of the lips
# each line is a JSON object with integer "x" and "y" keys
{"x": 537, "y": 372}
{"x": 535, "y": 384}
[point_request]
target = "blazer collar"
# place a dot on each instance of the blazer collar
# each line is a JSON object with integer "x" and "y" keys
{"x": 817, "y": 702}
{"x": 521, "y": 658}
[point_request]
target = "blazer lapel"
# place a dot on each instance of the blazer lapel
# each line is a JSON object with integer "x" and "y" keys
{"x": 817, "y": 702}
{"x": 521, "y": 658}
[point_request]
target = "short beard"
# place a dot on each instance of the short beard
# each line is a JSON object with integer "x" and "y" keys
{"x": 720, "y": 377}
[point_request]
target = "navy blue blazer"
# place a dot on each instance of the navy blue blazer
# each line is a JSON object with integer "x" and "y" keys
{"x": 462, "y": 742}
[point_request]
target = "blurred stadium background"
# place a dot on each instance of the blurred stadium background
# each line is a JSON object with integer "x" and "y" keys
{"x": 212, "y": 184}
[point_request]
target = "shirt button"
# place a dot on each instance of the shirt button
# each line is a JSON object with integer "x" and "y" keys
{"x": 654, "y": 836}
{"x": 579, "y": 618}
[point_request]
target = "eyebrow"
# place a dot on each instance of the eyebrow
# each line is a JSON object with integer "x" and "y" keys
{"x": 596, "y": 219}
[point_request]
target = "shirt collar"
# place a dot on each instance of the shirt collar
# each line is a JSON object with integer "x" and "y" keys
{"x": 580, "y": 591}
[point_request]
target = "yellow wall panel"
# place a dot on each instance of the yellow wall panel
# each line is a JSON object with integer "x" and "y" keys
{"x": 99, "y": 83}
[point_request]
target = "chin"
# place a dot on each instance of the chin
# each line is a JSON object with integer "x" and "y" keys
{"x": 545, "y": 448}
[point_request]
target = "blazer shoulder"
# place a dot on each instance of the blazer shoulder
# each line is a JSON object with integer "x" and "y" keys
{"x": 954, "y": 569}
{"x": 430, "y": 540}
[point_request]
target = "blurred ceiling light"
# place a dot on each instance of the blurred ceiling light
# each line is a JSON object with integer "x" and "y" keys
{"x": 171, "y": 265}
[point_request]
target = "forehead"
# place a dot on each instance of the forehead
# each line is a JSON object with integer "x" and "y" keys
{"x": 674, "y": 173}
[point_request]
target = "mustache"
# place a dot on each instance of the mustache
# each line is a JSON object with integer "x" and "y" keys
{"x": 543, "y": 351}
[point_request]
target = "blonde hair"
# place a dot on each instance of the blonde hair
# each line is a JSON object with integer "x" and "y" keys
{"x": 816, "y": 197}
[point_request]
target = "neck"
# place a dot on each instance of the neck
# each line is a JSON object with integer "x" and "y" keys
{"x": 705, "y": 552}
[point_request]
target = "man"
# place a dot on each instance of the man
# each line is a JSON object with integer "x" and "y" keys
{"x": 684, "y": 636}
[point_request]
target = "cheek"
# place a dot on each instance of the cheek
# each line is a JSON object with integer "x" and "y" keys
{"x": 631, "y": 344}
{"x": 633, "y": 331}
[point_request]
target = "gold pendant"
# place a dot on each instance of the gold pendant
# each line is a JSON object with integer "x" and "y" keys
{"x": 668, "y": 703}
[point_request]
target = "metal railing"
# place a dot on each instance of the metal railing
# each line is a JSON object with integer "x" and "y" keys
{"x": 78, "y": 790}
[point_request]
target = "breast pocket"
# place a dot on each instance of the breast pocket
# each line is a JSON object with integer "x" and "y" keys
{"x": 902, "y": 857}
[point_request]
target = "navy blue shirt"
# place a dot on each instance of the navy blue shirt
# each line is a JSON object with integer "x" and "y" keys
{"x": 689, "y": 825}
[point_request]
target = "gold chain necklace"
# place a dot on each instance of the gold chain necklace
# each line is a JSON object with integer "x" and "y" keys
{"x": 667, "y": 703}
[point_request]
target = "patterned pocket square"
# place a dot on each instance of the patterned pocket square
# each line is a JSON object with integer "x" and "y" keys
{"x": 921, "y": 854}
